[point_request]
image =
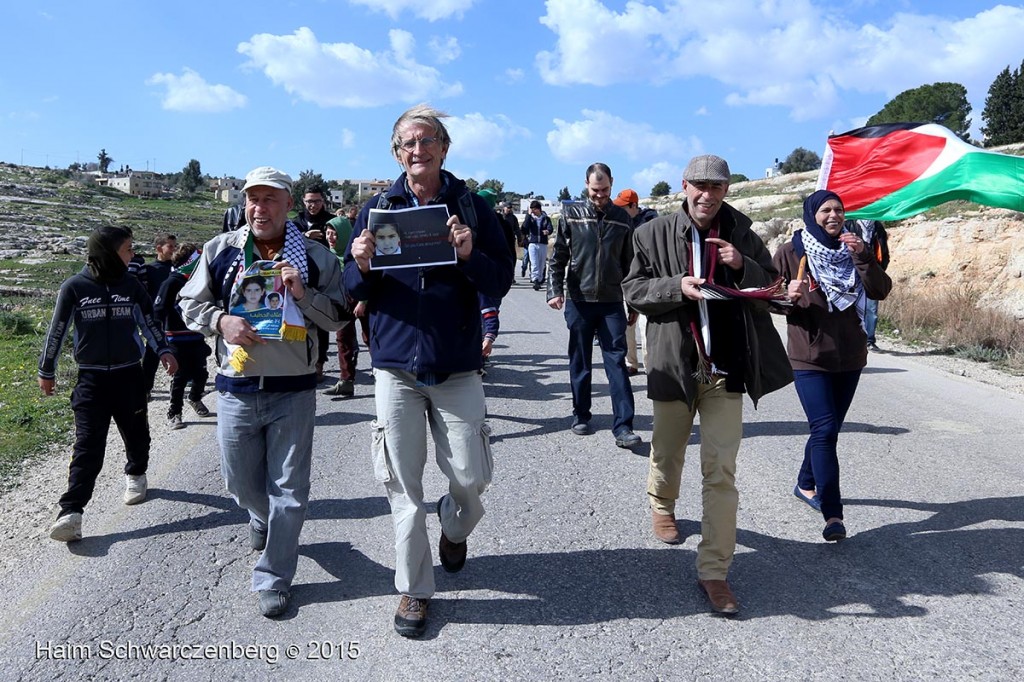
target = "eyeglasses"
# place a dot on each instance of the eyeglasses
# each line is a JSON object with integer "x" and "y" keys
{"x": 424, "y": 142}
{"x": 313, "y": 202}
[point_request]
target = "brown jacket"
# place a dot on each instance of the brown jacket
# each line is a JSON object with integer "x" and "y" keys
{"x": 661, "y": 260}
{"x": 829, "y": 341}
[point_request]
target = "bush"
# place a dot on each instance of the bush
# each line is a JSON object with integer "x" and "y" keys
{"x": 15, "y": 323}
{"x": 953, "y": 319}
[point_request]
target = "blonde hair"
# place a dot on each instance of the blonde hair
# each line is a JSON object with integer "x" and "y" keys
{"x": 423, "y": 114}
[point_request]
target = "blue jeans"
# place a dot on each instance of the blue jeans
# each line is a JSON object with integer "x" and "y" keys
{"x": 538, "y": 259}
{"x": 266, "y": 446}
{"x": 609, "y": 321}
{"x": 870, "y": 319}
{"x": 825, "y": 397}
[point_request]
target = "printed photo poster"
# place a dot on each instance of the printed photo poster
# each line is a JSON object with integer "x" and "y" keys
{"x": 411, "y": 237}
{"x": 261, "y": 297}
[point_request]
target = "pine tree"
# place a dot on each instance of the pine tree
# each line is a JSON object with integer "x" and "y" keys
{"x": 999, "y": 112}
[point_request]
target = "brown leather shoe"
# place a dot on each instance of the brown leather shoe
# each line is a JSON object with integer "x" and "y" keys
{"x": 411, "y": 616}
{"x": 721, "y": 597}
{"x": 665, "y": 528}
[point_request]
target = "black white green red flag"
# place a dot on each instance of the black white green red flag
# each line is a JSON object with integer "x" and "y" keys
{"x": 896, "y": 170}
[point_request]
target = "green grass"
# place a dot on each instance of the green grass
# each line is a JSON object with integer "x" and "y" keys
{"x": 31, "y": 425}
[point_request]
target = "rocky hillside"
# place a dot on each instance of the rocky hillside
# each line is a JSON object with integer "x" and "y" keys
{"x": 44, "y": 217}
{"x": 953, "y": 246}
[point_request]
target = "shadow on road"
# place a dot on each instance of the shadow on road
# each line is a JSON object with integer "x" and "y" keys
{"x": 874, "y": 574}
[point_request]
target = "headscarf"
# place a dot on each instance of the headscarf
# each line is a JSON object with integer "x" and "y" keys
{"x": 103, "y": 260}
{"x": 829, "y": 260}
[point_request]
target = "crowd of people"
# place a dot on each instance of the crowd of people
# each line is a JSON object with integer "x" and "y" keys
{"x": 613, "y": 267}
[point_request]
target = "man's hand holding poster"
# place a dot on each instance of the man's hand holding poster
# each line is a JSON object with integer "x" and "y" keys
{"x": 411, "y": 237}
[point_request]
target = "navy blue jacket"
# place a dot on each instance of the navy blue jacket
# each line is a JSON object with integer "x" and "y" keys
{"x": 428, "y": 319}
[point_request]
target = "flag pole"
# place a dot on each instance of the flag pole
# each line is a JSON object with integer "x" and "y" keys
{"x": 826, "y": 164}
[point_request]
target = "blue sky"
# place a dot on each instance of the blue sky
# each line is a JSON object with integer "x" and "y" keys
{"x": 537, "y": 90}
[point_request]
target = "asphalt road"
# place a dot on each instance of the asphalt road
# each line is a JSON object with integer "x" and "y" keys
{"x": 564, "y": 579}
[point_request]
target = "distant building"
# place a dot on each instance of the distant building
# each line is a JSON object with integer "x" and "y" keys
{"x": 229, "y": 195}
{"x": 225, "y": 182}
{"x": 136, "y": 183}
{"x": 773, "y": 171}
{"x": 364, "y": 190}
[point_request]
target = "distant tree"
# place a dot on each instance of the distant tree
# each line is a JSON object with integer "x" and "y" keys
{"x": 497, "y": 185}
{"x": 943, "y": 103}
{"x": 76, "y": 167}
{"x": 191, "y": 178}
{"x": 738, "y": 177}
{"x": 563, "y": 194}
{"x": 661, "y": 189}
{"x": 104, "y": 160}
{"x": 307, "y": 180}
{"x": 1004, "y": 109}
{"x": 472, "y": 185}
{"x": 349, "y": 193}
{"x": 800, "y": 160}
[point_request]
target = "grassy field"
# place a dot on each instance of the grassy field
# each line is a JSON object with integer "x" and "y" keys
{"x": 30, "y": 424}
{"x": 51, "y": 202}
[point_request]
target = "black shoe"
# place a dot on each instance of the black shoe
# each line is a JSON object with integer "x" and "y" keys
{"x": 581, "y": 428}
{"x": 834, "y": 532}
{"x": 628, "y": 439}
{"x": 411, "y": 616}
{"x": 452, "y": 554}
{"x": 257, "y": 538}
{"x": 273, "y": 603}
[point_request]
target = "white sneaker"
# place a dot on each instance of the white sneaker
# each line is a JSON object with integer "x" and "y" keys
{"x": 67, "y": 528}
{"x": 134, "y": 488}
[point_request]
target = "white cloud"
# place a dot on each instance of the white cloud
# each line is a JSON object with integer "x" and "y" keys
{"x": 601, "y": 134}
{"x": 644, "y": 180}
{"x": 190, "y": 92}
{"x": 475, "y": 136}
{"x": 514, "y": 75}
{"x": 348, "y": 139}
{"x": 702, "y": 111}
{"x": 801, "y": 54}
{"x": 431, "y": 11}
{"x": 445, "y": 49}
{"x": 343, "y": 74}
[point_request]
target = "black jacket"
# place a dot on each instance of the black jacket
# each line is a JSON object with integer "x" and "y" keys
{"x": 107, "y": 319}
{"x": 592, "y": 253}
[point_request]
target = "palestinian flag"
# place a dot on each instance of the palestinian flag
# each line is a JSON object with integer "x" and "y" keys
{"x": 894, "y": 171}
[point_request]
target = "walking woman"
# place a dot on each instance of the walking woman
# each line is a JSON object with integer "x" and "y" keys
{"x": 831, "y": 275}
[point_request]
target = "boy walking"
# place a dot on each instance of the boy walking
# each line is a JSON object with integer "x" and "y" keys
{"x": 189, "y": 347}
{"x": 108, "y": 309}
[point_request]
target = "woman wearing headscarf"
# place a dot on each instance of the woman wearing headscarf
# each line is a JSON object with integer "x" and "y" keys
{"x": 831, "y": 275}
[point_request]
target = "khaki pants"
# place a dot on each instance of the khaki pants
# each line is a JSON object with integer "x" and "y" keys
{"x": 721, "y": 428}
{"x": 454, "y": 411}
{"x": 636, "y": 343}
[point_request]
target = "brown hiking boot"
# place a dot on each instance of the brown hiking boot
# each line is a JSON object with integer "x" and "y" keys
{"x": 411, "y": 616}
{"x": 721, "y": 597}
{"x": 665, "y": 528}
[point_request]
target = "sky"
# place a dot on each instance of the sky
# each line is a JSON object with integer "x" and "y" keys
{"x": 536, "y": 91}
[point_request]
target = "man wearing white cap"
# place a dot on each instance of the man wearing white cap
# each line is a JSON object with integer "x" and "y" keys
{"x": 267, "y": 385}
{"x": 702, "y": 356}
